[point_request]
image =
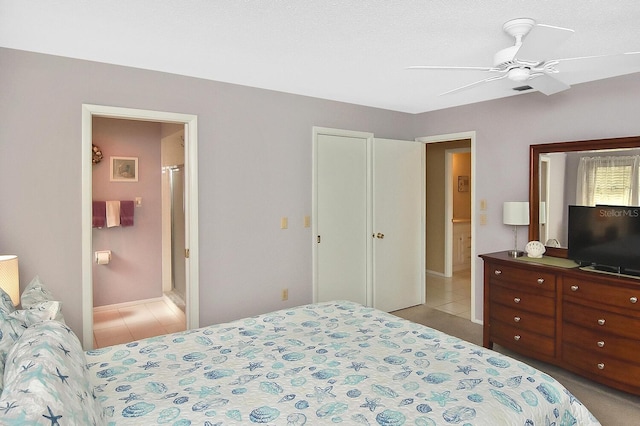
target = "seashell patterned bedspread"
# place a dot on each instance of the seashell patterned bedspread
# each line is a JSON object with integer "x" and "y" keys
{"x": 337, "y": 362}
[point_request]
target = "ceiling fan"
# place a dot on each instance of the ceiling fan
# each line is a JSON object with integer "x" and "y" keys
{"x": 524, "y": 62}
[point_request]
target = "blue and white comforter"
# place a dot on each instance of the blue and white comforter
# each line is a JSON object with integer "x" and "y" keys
{"x": 335, "y": 362}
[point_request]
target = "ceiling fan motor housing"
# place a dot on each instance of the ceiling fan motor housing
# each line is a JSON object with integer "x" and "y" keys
{"x": 519, "y": 74}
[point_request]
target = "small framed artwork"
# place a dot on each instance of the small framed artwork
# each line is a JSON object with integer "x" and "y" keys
{"x": 124, "y": 169}
{"x": 463, "y": 183}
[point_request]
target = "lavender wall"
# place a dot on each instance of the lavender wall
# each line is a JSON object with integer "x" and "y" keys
{"x": 254, "y": 167}
{"x": 134, "y": 272}
{"x": 505, "y": 129}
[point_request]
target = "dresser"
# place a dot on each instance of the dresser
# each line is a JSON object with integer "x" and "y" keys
{"x": 584, "y": 321}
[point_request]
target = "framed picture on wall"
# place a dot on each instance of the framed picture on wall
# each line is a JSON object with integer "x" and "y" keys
{"x": 124, "y": 169}
{"x": 463, "y": 183}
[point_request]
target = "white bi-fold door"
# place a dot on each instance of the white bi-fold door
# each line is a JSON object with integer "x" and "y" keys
{"x": 369, "y": 219}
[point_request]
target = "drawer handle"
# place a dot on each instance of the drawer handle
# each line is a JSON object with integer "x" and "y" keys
{"x": 633, "y": 299}
{"x": 600, "y": 344}
{"x": 516, "y": 299}
{"x": 516, "y": 319}
{"x": 497, "y": 272}
{"x": 516, "y": 337}
{"x": 540, "y": 280}
{"x": 601, "y": 321}
{"x": 574, "y": 288}
{"x": 601, "y": 366}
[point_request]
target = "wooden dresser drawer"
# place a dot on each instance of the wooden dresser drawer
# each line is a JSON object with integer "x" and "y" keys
{"x": 524, "y": 320}
{"x": 541, "y": 281}
{"x": 621, "y": 297}
{"x": 597, "y": 365}
{"x": 522, "y": 300}
{"x": 601, "y": 320}
{"x": 604, "y": 344}
{"x": 520, "y": 340}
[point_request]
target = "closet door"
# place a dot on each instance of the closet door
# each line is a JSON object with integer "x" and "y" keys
{"x": 340, "y": 223}
{"x": 368, "y": 223}
{"x": 398, "y": 225}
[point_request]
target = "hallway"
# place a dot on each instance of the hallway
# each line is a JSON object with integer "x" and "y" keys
{"x": 450, "y": 295}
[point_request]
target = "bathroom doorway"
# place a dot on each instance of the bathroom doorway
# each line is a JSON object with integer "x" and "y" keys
{"x": 188, "y": 256}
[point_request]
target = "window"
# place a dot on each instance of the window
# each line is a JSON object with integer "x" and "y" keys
{"x": 610, "y": 180}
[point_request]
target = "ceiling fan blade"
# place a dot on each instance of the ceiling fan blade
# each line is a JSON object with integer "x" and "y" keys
{"x": 547, "y": 84}
{"x": 476, "y": 83}
{"x": 438, "y": 67}
{"x": 591, "y": 68}
{"x": 542, "y": 40}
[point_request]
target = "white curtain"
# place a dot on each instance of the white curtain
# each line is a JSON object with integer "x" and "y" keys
{"x": 608, "y": 180}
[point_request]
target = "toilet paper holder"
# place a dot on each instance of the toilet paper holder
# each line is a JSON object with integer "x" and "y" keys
{"x": 103, "y": 257}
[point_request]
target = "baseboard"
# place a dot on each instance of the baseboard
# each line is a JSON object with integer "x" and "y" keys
{"x": 127, "y": 304}
{"x": 439, "y": 274}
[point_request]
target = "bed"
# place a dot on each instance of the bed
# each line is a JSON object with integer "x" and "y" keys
{"x": 337, "y": 362}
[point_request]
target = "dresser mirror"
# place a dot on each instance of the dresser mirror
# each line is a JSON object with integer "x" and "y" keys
{"x": 552, "y": 184}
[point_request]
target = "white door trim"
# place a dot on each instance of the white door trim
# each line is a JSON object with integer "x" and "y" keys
{"x": 191, "y": 200}
{"x": 471, "y": 135}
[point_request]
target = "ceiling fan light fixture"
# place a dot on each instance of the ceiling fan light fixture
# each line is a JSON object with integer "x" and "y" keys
{"x": 519, "y": 74}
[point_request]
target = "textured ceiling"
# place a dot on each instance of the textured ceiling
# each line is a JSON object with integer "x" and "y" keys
{"x": 351, "y": 50}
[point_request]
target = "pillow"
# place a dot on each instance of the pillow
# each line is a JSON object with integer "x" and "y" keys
{"x": 48, "y": 361}
{"x": 35, "y": 293}
{"x": 13, "y": 325}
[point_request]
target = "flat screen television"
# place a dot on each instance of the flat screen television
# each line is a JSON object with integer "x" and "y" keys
{"x": 605, "y": 237}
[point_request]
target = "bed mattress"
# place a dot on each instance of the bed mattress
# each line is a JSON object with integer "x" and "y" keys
{"x": 337, "y": 362}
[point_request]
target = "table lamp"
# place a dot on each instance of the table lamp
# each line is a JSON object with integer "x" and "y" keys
{"x": 9, "y": 279}
{"x": 515, "y": 213}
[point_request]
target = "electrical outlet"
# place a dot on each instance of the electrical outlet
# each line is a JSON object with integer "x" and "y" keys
{"x": 307, "y": 221}
{"x": 285, "y": 294}
{"x": 284, "y": 222}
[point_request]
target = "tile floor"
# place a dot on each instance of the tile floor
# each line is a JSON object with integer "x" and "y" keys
{"x": 450, "y": 295}
{"x": 126, "y": 324}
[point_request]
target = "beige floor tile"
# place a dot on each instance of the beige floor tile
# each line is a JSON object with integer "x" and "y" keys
{"x": 451, "y": 295}
{"x": 122, "y": 325}
{"x": 142, "y": 330}
{"x": 112, "y": 336}
{"x": 136, "y": 314}
{"x": 107, "y": 319}
{"x": 453, "y": 308}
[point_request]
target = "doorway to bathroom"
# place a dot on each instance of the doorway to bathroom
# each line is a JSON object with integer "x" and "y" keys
{"x": 153, "y": 260}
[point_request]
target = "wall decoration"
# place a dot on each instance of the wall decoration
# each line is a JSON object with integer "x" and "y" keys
{"x": 96, "y": 154}
{"x": 124, "y": 169}
{"x": 463, "y": 183}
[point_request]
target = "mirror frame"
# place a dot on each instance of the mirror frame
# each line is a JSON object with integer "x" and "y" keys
{"x": 534, "y": 174}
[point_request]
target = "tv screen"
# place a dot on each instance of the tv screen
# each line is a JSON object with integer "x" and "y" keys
{"x": 606, "y": 237}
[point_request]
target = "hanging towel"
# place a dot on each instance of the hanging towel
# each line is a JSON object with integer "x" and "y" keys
{"x": 99, "y": 214}
{"x": 126, "y": 213}
{"x": 113, "y": 213}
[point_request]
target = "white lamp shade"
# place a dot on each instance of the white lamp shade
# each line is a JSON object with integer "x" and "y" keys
{"x": 9, "y": 279}
{"x": 515, "y": 213}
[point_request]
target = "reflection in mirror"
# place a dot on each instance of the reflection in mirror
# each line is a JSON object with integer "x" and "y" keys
{"x": 583, "y": 178}
{"x": 558, "y": 178}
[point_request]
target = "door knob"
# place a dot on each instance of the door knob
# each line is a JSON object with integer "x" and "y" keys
{"x": 380, "y": 235}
